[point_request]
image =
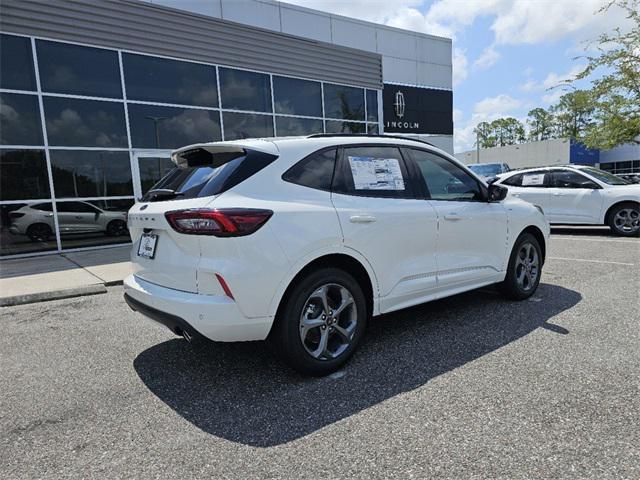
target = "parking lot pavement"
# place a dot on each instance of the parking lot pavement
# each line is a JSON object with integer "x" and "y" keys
{"x": 471, "y": 386}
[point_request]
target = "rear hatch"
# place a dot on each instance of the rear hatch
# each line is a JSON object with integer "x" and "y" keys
{"x": 164, "y": 256}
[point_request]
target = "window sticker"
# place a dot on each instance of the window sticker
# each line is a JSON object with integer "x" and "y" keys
{"x": 370, "y": 173}
{"x": 532, "y": 180}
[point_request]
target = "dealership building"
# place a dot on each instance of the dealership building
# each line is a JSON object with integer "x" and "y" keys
{"x": 94, "y": 95}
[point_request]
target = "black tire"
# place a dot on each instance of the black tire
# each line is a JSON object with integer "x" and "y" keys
{"x": 511, "y": 287}
{"x": 39, "y": 232}
{"x": 631, "y": 225}
{"x": 286, "y": 334}
{"x": 116, "y": 227}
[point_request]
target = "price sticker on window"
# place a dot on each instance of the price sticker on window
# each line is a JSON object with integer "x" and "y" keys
{"x": 370, "y": 173}
{"x": 533, "y": 180}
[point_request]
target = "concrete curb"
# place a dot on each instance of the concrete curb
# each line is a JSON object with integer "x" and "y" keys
{"x": 54, "y": 295}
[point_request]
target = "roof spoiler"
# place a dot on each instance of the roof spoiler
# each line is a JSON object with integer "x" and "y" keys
{"x": 217, "y": 154}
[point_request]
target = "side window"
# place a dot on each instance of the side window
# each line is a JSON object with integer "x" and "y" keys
{"x": 535, "y": 179}
{"x": 569, "y": 179}
{"x": 444, "y": 179}
{"x": 372, "y": 171}
{"x": 314, "y": 171}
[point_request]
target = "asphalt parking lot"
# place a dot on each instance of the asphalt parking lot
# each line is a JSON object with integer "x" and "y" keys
{"x": 468, "y": 387}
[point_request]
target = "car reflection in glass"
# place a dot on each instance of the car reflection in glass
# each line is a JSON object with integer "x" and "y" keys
{"x": 36, "y": 220}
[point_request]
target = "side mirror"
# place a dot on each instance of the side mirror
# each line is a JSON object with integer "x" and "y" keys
{"x": 497, "y": 193}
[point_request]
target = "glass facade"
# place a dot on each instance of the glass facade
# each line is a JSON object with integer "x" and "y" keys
{"x": 78, "y": 145}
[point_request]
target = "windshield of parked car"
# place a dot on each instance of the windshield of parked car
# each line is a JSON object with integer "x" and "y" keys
{"x": 605, "y": 177}
{"x": 487, "y": 170}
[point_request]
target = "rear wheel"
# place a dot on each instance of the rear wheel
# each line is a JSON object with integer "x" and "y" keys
{"x": 625, "y": 219}
{"x": 116, "y": 227}
{"x": 39, "y": 232}
{"x": 321, "y": 322}
{"x": 525, "y": 268}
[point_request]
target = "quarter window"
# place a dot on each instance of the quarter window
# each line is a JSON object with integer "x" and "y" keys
{"x": 315, "y": 171}
{"x": 373, "y": 172}
{"x": 443, "y": 179}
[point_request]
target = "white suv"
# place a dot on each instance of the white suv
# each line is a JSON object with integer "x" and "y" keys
{"x": 301, "y": 240}
{"x": 579, "y": 195}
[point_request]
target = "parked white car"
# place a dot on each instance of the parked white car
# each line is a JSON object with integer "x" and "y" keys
{"x": 301, "y": 240}
{"x": 579, "y": 195}
{"x": 488, "y": 171}
{"x": 74, "y": 216}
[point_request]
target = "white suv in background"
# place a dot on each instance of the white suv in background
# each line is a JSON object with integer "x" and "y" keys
{"x": 579, "y": 195}
{"x": 301, "y": 240}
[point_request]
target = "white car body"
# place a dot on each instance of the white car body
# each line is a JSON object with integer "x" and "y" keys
{"x": 410, "y": 250}
{"x": 580, "y": 206}
{"x": 74, "y": 216}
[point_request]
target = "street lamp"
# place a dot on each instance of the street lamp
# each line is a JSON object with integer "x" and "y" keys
{"x": 156, "y": 121}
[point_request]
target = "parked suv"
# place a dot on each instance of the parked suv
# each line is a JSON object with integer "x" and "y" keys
{"x": 579, "y": 195}
{"x": 488, "y": 171}
{"x": 301, "y": 240}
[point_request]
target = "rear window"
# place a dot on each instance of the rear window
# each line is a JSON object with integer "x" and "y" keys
{"x": 315, "y": 171}
{"x": 212, "y": 176}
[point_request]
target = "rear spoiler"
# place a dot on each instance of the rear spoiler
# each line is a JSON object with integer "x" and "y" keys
{"x": 219, "y": 153}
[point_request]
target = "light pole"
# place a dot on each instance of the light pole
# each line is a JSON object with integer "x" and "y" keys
{"x": 477, "y": 147}
{"x": 156, "y": 121}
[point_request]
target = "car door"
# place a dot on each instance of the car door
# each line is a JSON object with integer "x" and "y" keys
{"x": 471, "y": 244}
{"x": 573, "y": 198}
{"x": 382, "y": 219}
{"x": 530, "y": 186}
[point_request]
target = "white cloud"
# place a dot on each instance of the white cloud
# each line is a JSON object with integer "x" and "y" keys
{"x": 529, "y": 86}
{"x": 553, "y": 96}
{"x": 460, "y": 66}
{"x": 487, "y": 59}
{"x": 554, "y": 79}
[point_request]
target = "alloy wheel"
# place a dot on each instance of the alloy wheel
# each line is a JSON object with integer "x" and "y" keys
{"x": 527, "y": 266}
{"x": 328, "y": 321}
{"x": 627, "y": 220}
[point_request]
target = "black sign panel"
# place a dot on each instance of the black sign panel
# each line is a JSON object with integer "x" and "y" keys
{"x": 417, "y": 110}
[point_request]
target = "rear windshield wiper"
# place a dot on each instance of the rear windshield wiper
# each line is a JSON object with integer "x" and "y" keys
{"x": 158, "y": 194}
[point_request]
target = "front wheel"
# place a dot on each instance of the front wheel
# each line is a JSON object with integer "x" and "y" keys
{"x": 625, "y": 219}
{"x": 321, "y": 322}
{"x": 525, "y": 268}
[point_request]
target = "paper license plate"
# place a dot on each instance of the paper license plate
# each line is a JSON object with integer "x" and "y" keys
{"x": 147, "y": 246}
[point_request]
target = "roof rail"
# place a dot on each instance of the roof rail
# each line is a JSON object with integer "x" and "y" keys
{"x": 368, "y": 135}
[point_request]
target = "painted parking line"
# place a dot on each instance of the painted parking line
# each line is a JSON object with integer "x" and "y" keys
{"x": 558, "y": 237}
{"x": 591, "y": 261}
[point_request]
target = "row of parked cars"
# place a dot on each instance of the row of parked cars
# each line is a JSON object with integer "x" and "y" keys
{"x": 573, "y": 194}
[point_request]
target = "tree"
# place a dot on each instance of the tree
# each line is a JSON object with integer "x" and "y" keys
{"x": 484, "y": 135}
{"x": 615, "y": 96}
{"x": 507, "y": 131}
{"x": 540, "y": 123}
{"x": 573, "y": 114}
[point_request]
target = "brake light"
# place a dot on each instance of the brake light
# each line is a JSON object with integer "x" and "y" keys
{"x": 224, "y": 222}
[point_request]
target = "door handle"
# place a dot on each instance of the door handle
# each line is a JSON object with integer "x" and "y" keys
{"x": 453, "y": 216}
{"x": 557, "y": 194}
{"x": 362, "y": 219}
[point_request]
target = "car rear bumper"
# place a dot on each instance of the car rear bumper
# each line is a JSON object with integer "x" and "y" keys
{"x": 215, "y": 317}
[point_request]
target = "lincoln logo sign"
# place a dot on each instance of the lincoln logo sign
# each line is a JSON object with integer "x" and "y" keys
{"x": 417, "y": 110}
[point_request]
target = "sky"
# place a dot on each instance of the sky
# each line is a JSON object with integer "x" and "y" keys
{"x": 507, "y": 54}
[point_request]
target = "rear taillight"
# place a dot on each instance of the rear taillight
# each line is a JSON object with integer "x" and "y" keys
{"x": 225, "y": 222}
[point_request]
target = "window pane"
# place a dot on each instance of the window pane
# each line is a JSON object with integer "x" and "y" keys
{"x": 83, "y": 173}
{"x": 297, "y": 97}
{"x": 78, "y": 70}
{"x": 373, "y": 128}
{"x": 315, "y": 171}
{"x": 170, "y": 127}
{"x": 169, "y": 81}
{"x": 297, "y": 126}
{"x": 16, "y": 63}
{"x": 243, "y": 125}
{"x": 152, "y": 169}
{"x": 343, "y": 102}
{"x": 85, "y": 123}
{"x": 567, "y": 179}
{"x": 26, "y": 228}
{"x": 372, "y": 106}
{"x": 23, "y": 175}
{"x": 374, "y": 172}
{"x": 444, "y": 179}
{"x": 345, "y": 127}
{"x": 95, "y": 222}
{"x": 20, "y": 120}
{"x": 240, "y": 90}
